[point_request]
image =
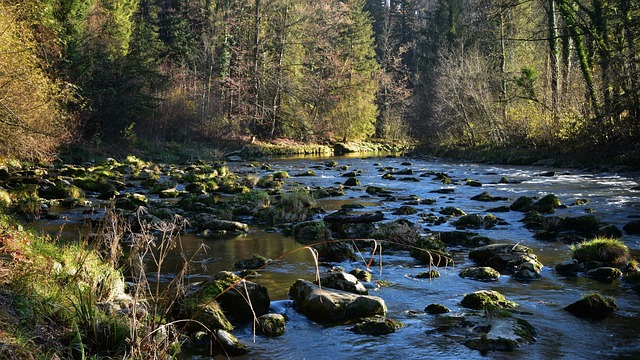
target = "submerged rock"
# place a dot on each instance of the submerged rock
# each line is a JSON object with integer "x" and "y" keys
{"x": 334, "y": 305}
{"x": 486, "y": 334}
{"x": 604, "y": 274}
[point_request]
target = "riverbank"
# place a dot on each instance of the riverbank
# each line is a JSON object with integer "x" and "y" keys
{"x": 597, "y": 160}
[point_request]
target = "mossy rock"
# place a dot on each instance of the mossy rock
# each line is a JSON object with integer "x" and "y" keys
{"x": 431, "y": 274}
{"x": 361, "y": 274}
{"x": 473, "y": 221}
{"x": 405, "y": 210}
{"x": 377, "y": 327}
{"x": 593, "y": 306}
{"x": 430, "y": 250}
{"x": 480, "y": 273}
{"x": 452, "y": 211}
{"x": 255, "y": 261}
{"x": 311, "y": 232}
{"x": 306, "y": 173}
{"x": 464, "y": 238}
{"x": 473, "y": 183}
{"x": 523, "y": 203}
{"x": 533, "y": 220}
{"x": 271, "y": 324}
{"x": 484, "y": 299}
{"x": 632, "y": 227}
{"x": 397, "y": 233}
{"x": 434, "y": 309}
{"x": 486, "y": 197}
{"x": 586, "y": 224}
{"x": 352, "y": 182}
{"x": 604, "y": 274}
{"x": 336, "y": 251}
{"x": 547, "y": 204}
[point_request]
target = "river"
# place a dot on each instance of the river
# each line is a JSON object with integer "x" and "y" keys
{"x": 560, "y": 335}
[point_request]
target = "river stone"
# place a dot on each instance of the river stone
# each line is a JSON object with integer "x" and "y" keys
{"x": 377, "y": 327}
{"x": 464, "y": 238}
{"x": 405, "y": 210}
{"x": 523, "y": 203}
{"x": 353, "y": 231}
{"x": 480, "y": 273}
{"x": 336, "y": 251}
{"x": 431, "y": 274}
{"x": 507, "y": 258}
{"x": 547, "y": 204}
{"x": 486, "y": 334}
{"x": 430, "y": 250}
{"x": 334, "y": 305}
{"x": 604, "y": 274}
{"x": 593, "y": 306}
{"x": 483, "y": 299}
{"x": 311, "y": 232}
{"x": 486, "y": 197}
{"x": 397, "y": 233}
{"x": 230, "y": 344}
{"x": 568, "y": 267}
{"x": 255, "y": 261}
{"x": 232, "y": 301}
{"x": 210, "y": 222}
{"x": 340, "y": 280}
{"x": 452, "y": 211}
{"x": 632, "y": 227}
{"x": 436, "y": 309}
{"x": 352, "y": 181}
{"x": 271, "y": 324}
{"x": 362, "y": 275}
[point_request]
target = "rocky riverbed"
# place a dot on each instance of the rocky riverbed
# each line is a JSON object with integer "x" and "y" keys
{"x": 404, "y": 237}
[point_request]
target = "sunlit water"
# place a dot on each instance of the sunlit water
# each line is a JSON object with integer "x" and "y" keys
{"x": 560, "y": 335}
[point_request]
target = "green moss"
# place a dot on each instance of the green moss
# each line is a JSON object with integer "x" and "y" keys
{"x": 609, "y": 251}
{"x": 281, "y": 174}
{"x": 483, "y": 299}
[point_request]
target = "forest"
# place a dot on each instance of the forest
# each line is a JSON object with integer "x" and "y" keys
{"x": 561, "y": 74}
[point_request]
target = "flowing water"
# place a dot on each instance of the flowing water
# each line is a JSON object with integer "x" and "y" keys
{"x": 559, "y": 334}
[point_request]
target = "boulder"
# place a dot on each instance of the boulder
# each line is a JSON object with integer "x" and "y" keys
{"x": 256, "y": 261}
{"x": 431, "y": 274}
{"x": 484, "y": 299}
{"x": 271, "y": 324}
{"x": 336, "y": 251}
{"x": 333, "y": 305}
{"x": 234, "y": 300}
{"x": 604, "y": 274}
{"x": 568, "y": 267}
{"x": 311, "y": 232}
{"x": 436, "y": 309}
{"x": 452, "y": 211}
{"x": 430, "y": 250}
{"x": 480, "y": 273}
{"x": 486, "y": 197}
{"x": 464, "y": 238}
{"x": 229, "y": 344}
{"x": 632, "y": 227}
{"x": 362, "y": 275}
{"x": 342, "y": 216}
{"x": 507, "y": 258}
{"x": 205, "y": 221}
{"x": 405, "y": 210}
{"x": 593, "y": 306}
{"x": 340, "y": 280}
{"x": 523, "y": 203}
{"x": 377, "y": 327}
{"x": 547, "y": 204}
{"x": 352, "y": 181}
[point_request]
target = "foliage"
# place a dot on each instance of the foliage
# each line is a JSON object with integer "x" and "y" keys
{"x": 609, "y": 251}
